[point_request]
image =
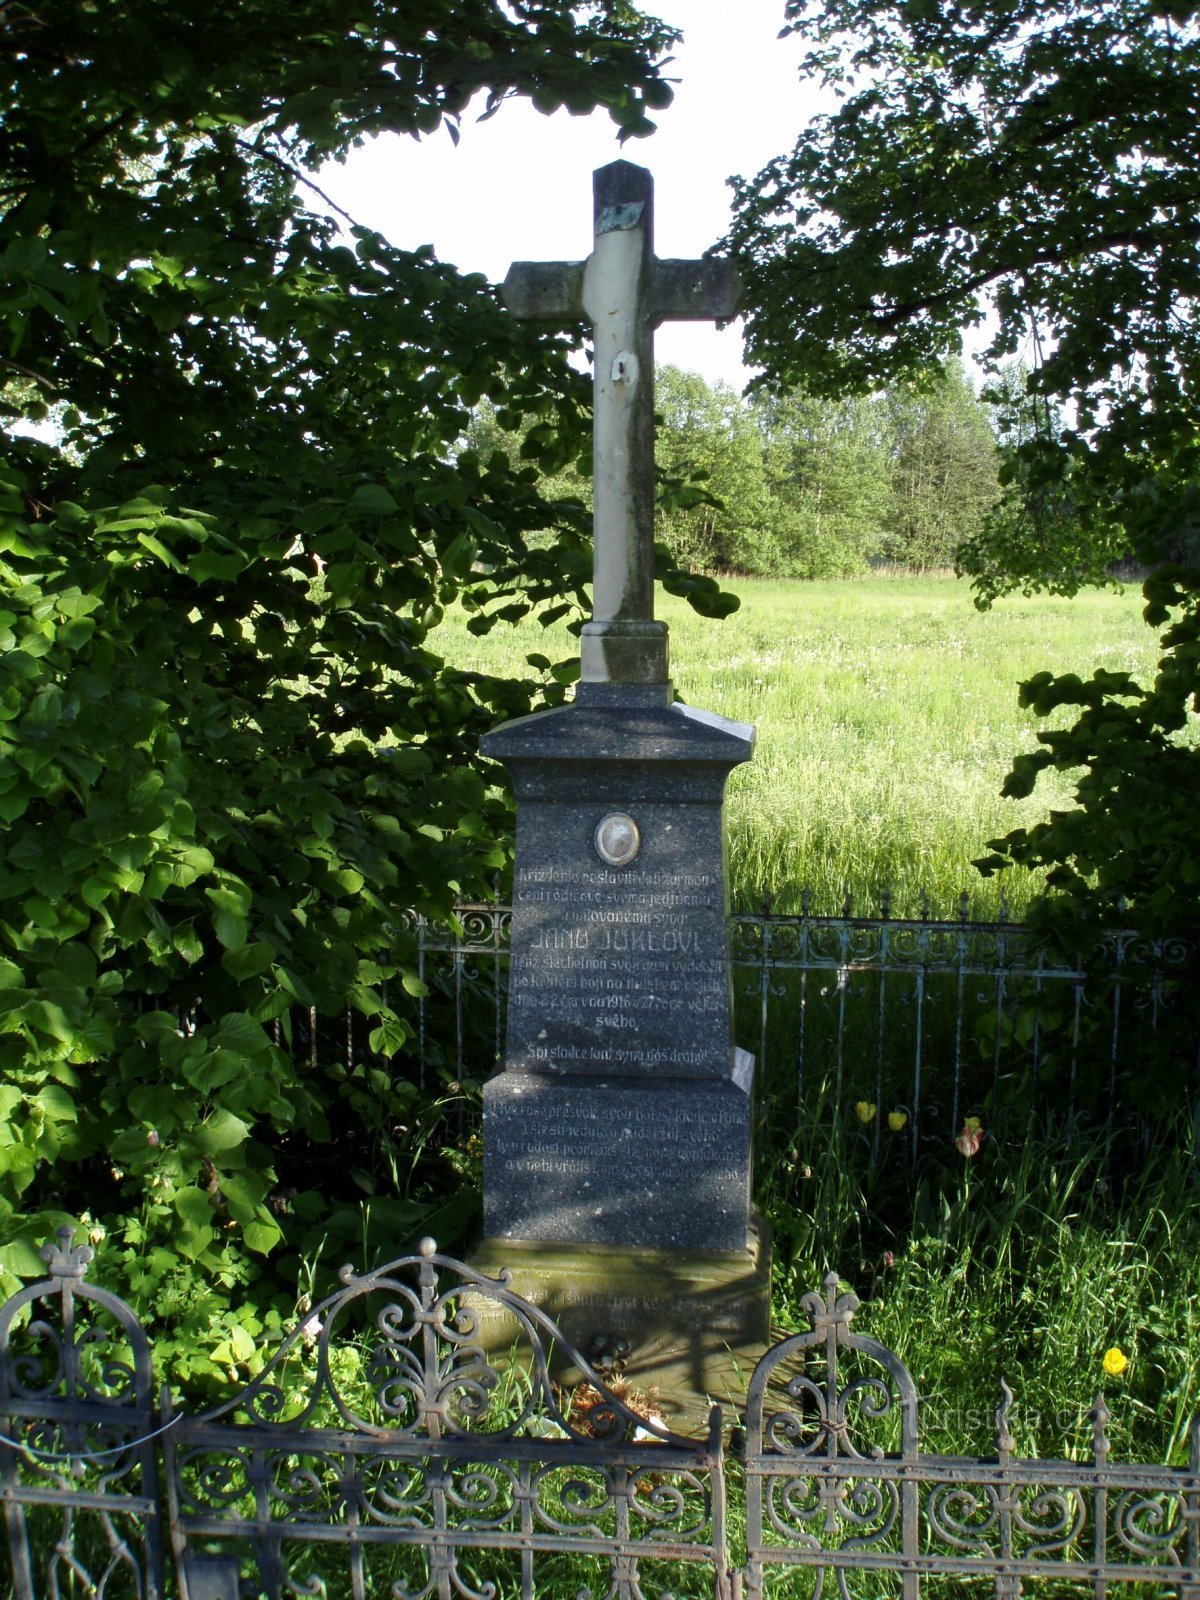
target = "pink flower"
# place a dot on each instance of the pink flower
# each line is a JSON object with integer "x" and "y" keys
{"x": 970, "y": 1139}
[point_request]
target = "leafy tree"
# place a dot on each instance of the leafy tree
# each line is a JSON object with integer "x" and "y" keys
{"x": 727, "y": 523}
{"x": 566, "y": 489}
{"x": 1035, "y": 159}
{"x": 1036, "y": 508}
{"x": 943, "y": 469}
{"x": 229, "y": 760}
{"x": 828, "y": 460}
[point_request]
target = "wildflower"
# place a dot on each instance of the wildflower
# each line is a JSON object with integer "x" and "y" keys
{"x": 970, "y": 1139}
{"x": 310, "y": 1331}
{"x": 865, "y": 1111}
{"x": 152, "y": 1139}
{"x": 889, "y": 1259}
{"x": 897, "y": 1120}
{"x": 1115, "y": 1361}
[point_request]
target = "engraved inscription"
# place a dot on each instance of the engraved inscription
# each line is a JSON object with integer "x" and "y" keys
{"x": 584, "y": 1142}
{"x": 621, "y": 969}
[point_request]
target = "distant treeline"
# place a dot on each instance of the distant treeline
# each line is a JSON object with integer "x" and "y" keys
{"x": 808, "y": 487}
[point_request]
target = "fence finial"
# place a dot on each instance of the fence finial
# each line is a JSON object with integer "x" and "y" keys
{"x": 1004, "y": 1438}
{"x": 65, "y": 1260}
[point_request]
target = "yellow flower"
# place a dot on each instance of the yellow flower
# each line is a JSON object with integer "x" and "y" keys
{"x": 897, "y": 1120}
{"x": 1115, "y": 1361}
{"x": 865, "y": 1111}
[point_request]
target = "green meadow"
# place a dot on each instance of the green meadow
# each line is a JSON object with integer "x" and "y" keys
{"x": 887, "y": 718}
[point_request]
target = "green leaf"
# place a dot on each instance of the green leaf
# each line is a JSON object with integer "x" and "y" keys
{"x": 230, "y": 928}
{"x": 239, "y": 1032}
{"x": 262, "y": 1235}
{"x": 250, "y": 960}
{"x": 220, "y": 1133}
{"x": 390, "y": 1037}
{"x": 193, "y": 1206}
{"x": 159, "y": 550}
{"x": 375, "y": 498}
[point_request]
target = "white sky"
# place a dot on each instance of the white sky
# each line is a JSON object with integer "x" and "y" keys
{"x": 518, "y": 187}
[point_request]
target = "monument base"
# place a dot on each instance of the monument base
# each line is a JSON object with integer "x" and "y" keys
{"x": 695, "y": 1321}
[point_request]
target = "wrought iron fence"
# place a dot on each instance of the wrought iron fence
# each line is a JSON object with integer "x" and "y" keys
{"x": 838, "y": 1490}
{"x": 383, "y": 1450}
{"x": 926, "y": 1020}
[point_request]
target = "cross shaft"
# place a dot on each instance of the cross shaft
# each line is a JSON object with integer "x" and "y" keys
{"x": 625, "y": 292}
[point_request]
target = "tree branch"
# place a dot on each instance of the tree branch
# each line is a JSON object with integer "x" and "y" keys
{"x": 298, "y": 175}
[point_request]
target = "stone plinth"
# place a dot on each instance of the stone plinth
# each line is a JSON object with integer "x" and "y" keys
{"x": 696, "y": 1321}
{"x": 656, "y": 1163}
{"x": 617, "y": 1163}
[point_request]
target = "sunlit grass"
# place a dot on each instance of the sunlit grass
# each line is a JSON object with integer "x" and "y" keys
{"x": 887, "y": 719}
{"x": 1028, "y": 1267}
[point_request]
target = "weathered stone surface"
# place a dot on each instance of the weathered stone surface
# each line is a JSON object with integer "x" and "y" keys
{"x": 659, "y": 1164}
{"x": 620, "y": 970}
{"x": 696, "y": 1322}
{"x": 625, "y": 292}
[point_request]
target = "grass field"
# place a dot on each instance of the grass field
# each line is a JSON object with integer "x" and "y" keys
{"x": 887, "y": 719}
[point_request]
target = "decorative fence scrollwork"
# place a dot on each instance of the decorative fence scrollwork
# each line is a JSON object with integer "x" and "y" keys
{"x": 78, "y": 1465}
{"x": 408, "y": 1440}
{"x": 836, "y": 1484}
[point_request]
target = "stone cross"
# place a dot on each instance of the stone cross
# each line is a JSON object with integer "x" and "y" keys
{"x": 624, "y": 291}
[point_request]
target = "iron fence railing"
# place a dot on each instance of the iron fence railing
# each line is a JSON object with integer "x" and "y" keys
{"x": 383, "y": 1450}
{"x": 916, "y": 1022}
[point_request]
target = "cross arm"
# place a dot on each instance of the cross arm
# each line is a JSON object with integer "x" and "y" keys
{"x": 696, "y": 291}
{"x": 545, "y": 291}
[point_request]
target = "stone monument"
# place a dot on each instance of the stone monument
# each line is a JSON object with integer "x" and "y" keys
{"x": 617, "y": 1133}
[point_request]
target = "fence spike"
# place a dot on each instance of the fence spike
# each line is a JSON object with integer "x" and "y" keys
{"x": 1004, "y": 1438}
{"x": 1101, "y": 1444}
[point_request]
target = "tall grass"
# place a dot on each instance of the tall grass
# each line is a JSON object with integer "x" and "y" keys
{"x": 887, "y": 718}
{"x": 1026, "y": 1266}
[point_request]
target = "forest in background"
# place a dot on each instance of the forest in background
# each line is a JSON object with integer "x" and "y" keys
{"x": 793, "y": 485}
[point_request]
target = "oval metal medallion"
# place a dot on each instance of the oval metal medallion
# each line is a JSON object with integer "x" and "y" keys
{"x": 617, "y": 839}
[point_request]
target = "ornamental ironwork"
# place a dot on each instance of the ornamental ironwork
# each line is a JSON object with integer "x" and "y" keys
{"x": 78, "y": 1467}
{"x": 409, "y": 1439}
{"x": 837, "y": 1485}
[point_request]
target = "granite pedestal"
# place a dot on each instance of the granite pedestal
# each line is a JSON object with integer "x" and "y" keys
{"x": 617, "y": 1161}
